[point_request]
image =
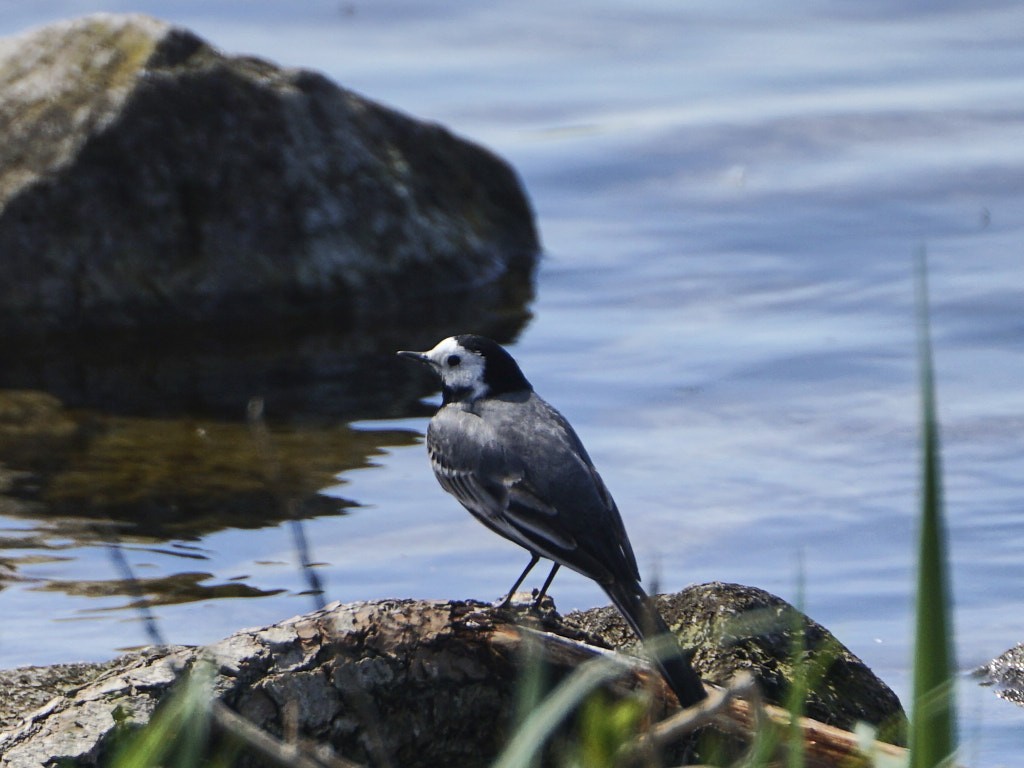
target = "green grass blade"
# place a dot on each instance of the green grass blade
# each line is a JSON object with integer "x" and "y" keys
{"x": 800, "y": 684}
{"x": 531, "y": 684}
{"x": 535, "y": 730}
{"x": 933, "y": 722}
{"x": 177, "y": 733}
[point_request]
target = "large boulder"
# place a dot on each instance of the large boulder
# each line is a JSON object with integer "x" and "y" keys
{"x": 148, "y": 180}
{"x": 419, "y": 682}
{"x": 391, "y": 682}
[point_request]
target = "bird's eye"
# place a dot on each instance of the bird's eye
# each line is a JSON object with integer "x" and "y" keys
{"x": 454, "y": 361}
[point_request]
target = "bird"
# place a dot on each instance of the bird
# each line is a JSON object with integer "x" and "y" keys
{"x": 517, "y": 465}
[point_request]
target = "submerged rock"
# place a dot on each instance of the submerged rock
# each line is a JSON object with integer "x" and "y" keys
{"x": 1006, "y": 674}
{"x": 160, "y": 479}
{"x": 150, "y": 181}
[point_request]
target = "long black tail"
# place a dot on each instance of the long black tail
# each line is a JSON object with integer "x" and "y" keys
{"x": 643, "y": 617}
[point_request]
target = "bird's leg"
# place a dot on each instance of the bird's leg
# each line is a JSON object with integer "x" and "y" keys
{"x": 547, "y": 583}
{"x": 534, "y": 559}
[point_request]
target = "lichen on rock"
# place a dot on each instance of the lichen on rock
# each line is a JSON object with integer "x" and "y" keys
{"x": 149, "y": 180}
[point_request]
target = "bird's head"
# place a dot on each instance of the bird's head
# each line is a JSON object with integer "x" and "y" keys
{"x": 472, "y": 367}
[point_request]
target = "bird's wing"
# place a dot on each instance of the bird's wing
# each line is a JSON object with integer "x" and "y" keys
{"x": 561, "y": 472}
{"x": 521, "y": 470}
{"x": 570, "y": 527}
{"x": 470, "y": 463}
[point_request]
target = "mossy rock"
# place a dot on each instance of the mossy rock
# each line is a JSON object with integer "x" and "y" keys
{"x": 148, "y": 180}
{"x": 733, "y": 627}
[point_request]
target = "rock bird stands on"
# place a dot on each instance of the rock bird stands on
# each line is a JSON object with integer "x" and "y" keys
{"x": 517, "y": 465}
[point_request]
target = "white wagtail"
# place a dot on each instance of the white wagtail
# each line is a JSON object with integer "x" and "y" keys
{"x": 517, "y": 465}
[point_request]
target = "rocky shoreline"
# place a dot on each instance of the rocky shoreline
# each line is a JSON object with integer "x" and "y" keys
{"x": 439, "y": 677}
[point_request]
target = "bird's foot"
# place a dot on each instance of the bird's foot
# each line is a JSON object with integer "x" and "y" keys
{"x": 542, "y": 603}
{"x": 515, "y": 600}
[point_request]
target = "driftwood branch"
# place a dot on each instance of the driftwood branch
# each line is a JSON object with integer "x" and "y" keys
{"x": 737, "y": 709}
{"x": 740, "y": 709}
{"x": 290, "y": 754}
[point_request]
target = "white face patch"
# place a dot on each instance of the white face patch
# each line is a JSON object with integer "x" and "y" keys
{"x": 460, "y": 368}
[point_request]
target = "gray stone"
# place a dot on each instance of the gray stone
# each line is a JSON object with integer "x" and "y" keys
{"x": 1006, "y": 674}
{"x": 734, "y": 627}
{"x": 406, "y": 682}
{"x": 347, "y": 675}
{"x": 148, "y": 180}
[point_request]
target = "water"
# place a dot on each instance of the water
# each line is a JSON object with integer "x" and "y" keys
{"x": 730, "y": 200}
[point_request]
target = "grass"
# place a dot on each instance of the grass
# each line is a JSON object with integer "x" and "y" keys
{"x": 177, "y": 735}
{"x": 933, "y": 722}
{"x": 526, "y": 744}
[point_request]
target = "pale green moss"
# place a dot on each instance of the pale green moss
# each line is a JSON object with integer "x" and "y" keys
{"x": 68, "y": 75}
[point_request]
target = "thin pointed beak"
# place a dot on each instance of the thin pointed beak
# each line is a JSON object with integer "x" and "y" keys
{"x": 420, "y": 356}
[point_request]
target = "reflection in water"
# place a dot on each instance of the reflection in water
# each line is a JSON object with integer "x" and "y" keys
{"x": 145, "y": 441}
{"x": 311, "y": 372}
{"x": 87, "y": 478}
{"x": 182, "y": 478}
{"x": 164, "y": 590}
